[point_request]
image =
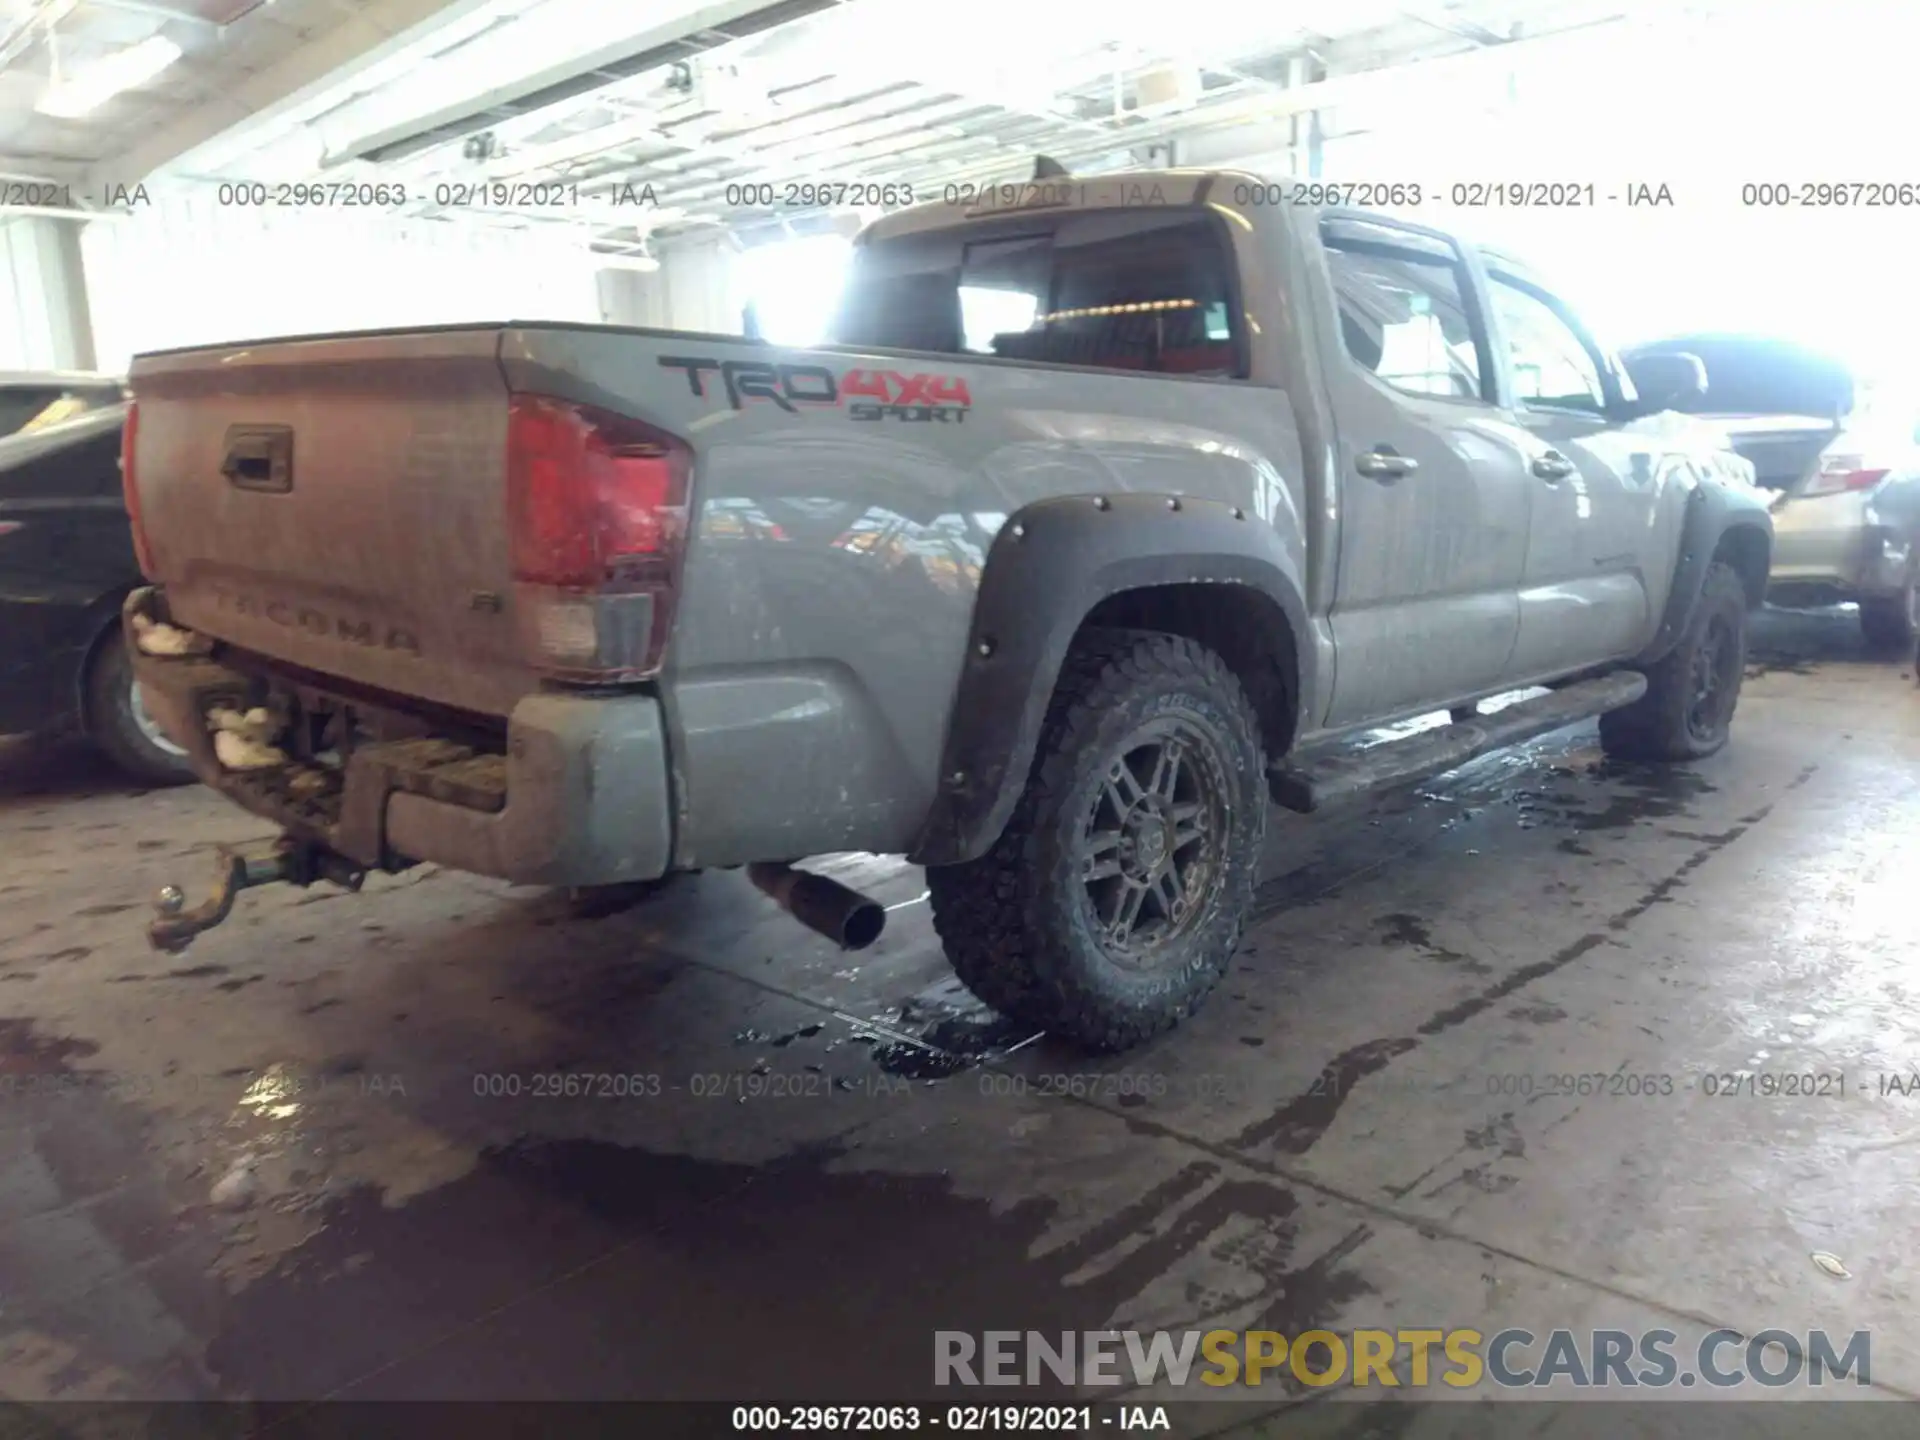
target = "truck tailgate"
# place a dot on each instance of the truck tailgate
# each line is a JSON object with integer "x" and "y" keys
{"x": 339, "y": 504}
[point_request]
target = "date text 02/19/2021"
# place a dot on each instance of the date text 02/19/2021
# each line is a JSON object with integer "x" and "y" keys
{"x": 951, "y": 1419}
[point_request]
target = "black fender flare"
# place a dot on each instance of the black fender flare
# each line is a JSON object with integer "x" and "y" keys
{"x": 1048, "y": 567}
{"x": 1712, "y": 510}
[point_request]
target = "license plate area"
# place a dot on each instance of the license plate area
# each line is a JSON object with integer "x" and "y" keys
{"x": 345, "y": 755}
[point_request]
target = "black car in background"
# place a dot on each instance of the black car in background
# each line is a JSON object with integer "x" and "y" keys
{"x": 34, "y": 399}
{"x": 66, "y": 563}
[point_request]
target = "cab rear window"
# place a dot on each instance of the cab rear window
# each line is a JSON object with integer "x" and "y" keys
{"x": 1108, "y": 290}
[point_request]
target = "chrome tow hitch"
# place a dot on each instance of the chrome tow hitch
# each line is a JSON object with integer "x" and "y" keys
{"x": 175, "y": 927}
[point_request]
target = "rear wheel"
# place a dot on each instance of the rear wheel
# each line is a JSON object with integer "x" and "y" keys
{"x": 1891, "y": 623}
{"x": 1691, "y": 694}
{"x": 1112, "y": 903}
{"x": 117, "y": 720}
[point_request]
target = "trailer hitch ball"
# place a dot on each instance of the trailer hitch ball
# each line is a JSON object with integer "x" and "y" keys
{"x": 174, "y": 925}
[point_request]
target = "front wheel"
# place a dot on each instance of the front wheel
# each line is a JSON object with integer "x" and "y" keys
{"x": 1111, "y": 905}
{"x": 1691, "y": 693}
{"x": 117, "y": 720}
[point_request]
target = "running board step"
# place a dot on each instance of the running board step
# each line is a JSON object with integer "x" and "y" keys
{"x": 1308, "y": 782}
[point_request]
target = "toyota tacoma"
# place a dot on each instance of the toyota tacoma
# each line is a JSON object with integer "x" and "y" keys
{"x": 1113, "y": 507}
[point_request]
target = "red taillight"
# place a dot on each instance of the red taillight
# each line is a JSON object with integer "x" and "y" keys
{"x": 597, "y": 507}
{"x": 1842, "y": 473}
{"x": 131, "y": 491}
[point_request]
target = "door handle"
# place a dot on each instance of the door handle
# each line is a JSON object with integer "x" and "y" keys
{"x": 1552, "y": 466}
{"x": 1383, "y": 463}
{"x": 259, "y": 457}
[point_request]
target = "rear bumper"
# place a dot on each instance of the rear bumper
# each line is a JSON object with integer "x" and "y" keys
{"x": 580, "y": 795}
{"x": 1836, "y": 548}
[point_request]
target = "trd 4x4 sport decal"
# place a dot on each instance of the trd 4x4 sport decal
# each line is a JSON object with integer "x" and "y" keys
{"x": 864, "y": 394}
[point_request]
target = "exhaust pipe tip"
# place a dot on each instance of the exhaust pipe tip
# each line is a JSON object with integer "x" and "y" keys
{"x": 824, "y": 906}
{"x": 862, "y": 925}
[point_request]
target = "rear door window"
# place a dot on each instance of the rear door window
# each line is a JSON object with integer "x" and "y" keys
{"x": 1405, "y": 316}
{"x": 1109, "y": 290}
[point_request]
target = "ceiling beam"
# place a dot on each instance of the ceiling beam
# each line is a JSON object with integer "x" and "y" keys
{"x": 1465, "y": 29}
{"x": 1357, "y": 87}
{"x": 36, "y": 24}
{"x": 366, "y": 37}
{"x": 159, "y": 12}
{"x": 685, "y": 32}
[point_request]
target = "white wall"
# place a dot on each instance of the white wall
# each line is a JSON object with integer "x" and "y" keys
{"x": 696, "y": 281}
{"x": 695, "y": 288}
{"x": 43, "y": 302}
{"x": 188, "y": 272}
{"x": 631, "y": 297}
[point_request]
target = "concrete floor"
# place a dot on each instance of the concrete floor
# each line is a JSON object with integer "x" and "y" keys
{"x": 272, "y": 1167}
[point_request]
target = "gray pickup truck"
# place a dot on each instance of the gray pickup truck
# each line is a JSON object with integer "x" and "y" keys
{"x": 1114, "y": 506}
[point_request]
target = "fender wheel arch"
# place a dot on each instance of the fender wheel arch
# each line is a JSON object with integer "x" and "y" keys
{"x": 1199, "y": 569}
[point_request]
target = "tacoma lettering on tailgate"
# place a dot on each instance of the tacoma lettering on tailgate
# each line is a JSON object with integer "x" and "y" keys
{"x": 863, "y": 394}
{"x": 367, "y": 633}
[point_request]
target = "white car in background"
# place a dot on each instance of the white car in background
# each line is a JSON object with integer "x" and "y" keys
{"x": 1842, "y": 463}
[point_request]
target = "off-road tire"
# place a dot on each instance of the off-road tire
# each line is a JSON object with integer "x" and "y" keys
{"x": 1890, "y": 624}
{"x": 1017, "y": 923}
{"x": 113, "y": 725}
{"x": 1668, "y": 722}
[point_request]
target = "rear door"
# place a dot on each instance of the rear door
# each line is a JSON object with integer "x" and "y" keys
{"x": 66, "y": 557}
{"x": 1433, "y": 491}
{"x": 1598, "y": 558}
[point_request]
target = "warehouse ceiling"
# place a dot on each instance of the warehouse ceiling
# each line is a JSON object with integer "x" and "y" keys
{"x": 234, "y": 59}
{"x": 648, "y": 121}
{"x": 679, "y": 115}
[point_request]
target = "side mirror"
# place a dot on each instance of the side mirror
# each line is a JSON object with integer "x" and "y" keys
{"x": 1670, "y": 381}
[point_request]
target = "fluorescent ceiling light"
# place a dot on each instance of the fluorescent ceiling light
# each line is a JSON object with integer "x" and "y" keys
{"x": 80, "y": 93}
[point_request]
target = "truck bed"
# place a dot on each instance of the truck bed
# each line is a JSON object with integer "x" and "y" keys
{"x": 841, "y": 508}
